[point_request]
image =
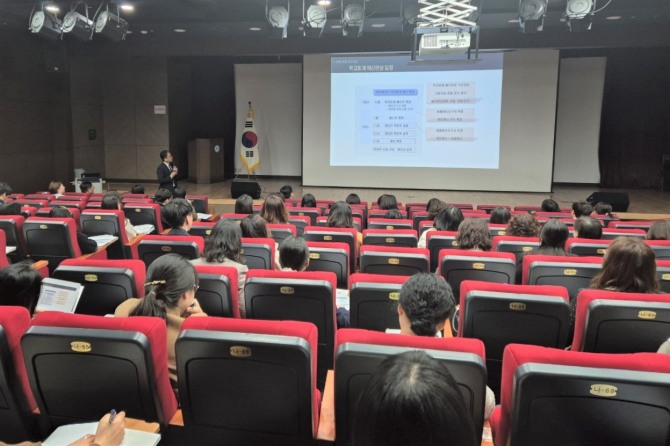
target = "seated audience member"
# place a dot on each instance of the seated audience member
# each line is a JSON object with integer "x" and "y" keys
{"x": 20, "y": 285}
{"x": 665, "y": 348}
{"x": 179, "y": 192}
{"x": 340, "y": 216}
{"x": 253, "y": 226}
{"x": 629, "y": 266}
{"x": 111, "y": 201}
{"x": 523, "y": 225}
{"x": 162, "y": 197}
{"x": 86, "y": 245}
{"x": 137, "y": 189}
{"x": 425, "y": 308}
{"x": 550, "y": 205}
{"x": 500, "y": 215}
{"x": 178, "y": 213}
{"x": 56, "y": 188}
{"x": 387, "y": 202}
{"x": 581, "y": 209}
{"x": 170, "y": 286}
{"x": 5, "y": 192}
{"x": 434, "y": 207}
{"x": 86, "y": 187}
{"x": 448, "y": 219}
{"x": 474, "y": 234}
{"x": 223, "y": 246}
{"x": 660, "y": 230}
{"x": 11, "y": 208}
{"x": 412, "y": 399}
{"x": 603, "y": 208}
{"x": 308, "y": 201}
{"x": 553, "y": 236}
{"x": 293, "y": 254}
{"x": 244, "y": 204}
{"x": 273, "y": 210}
{"x": 393, "y": 214}
{"x": 353, "y": 199}
{"x": 588, "y": 227}
{"x": 286, "y": 192}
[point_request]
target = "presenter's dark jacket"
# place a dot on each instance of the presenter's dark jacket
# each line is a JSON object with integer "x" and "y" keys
{"x": 164, "y": 180}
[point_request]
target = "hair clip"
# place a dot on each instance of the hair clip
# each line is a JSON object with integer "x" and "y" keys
{"x": 155, "y": 282}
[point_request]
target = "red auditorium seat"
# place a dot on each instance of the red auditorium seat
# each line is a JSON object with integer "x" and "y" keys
{"x": 554, "y": 397}
{"x": 259, "y": 253}
{"x": 345, "y": 235}
{"x": 217, "y": 293}
{"x": 151, "y": 247}
{"x": 587, "y": 247}
{"x": 333, "y": 257}
{"x": 373, "y": 301}
{"x": 144, "y": 214}
{"x": 394, "y": 260}
{"x": 110, "y": 222}
{"x": 390, "y": 237}
{"x": 574, "y": 273}
{"x": 248, "y": 381}
{"x": 280, "y": 231}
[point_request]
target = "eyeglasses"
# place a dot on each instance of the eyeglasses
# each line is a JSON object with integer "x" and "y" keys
{"x": 196, "y": 287}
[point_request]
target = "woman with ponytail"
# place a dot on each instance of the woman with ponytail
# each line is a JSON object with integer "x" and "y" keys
{"x": 425, "y": 308}
{"x": 169, "y": 294}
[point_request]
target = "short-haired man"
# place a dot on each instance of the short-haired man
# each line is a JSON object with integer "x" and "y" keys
{"x": 5, "y": 192}
{"x": 178, "y": 213}
{"x": 581, "y": 209}
{"x": 166, "y": 172}
{"x": 588, "y": 227}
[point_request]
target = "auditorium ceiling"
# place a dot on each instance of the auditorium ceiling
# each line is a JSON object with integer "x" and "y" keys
{"x": 619, "y": 23}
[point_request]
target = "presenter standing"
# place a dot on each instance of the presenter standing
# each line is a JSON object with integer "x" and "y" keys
{"x": 166, "y": 172}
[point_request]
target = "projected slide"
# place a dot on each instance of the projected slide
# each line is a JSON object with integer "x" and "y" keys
{"x": 386, "y": 112}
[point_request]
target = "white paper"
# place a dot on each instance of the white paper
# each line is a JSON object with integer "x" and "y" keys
{"x": 342, "y": 298}
{"x": 59, "y": 295}
{"x": 103, "y": 239}
{"x": 202, "y": 216}
{"x": 70, "y": 433}
{"x": 144, "y": 229}
{"x": 9, "y": 249}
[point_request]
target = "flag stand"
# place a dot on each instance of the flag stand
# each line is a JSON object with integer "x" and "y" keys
{"x": 250, "y": 160}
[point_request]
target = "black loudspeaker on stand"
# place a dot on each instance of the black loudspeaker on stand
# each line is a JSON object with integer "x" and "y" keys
{"x": 618, "y": 200}
{"x": 241, "y": 187}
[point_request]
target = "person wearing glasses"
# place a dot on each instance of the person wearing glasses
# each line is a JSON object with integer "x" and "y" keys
{"x": 170, "y": 289}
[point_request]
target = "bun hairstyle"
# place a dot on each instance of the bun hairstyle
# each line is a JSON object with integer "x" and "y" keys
{"x": 168, "y": 278}
{"x": 428, "y": 302}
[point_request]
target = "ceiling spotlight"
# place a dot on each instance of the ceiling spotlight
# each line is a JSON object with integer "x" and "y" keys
{"x": 278, "y": 16}
{"x": 353, "y": 17}
{"x": 531, "y": 15}
{"x": 314, "y": 20}
{"x": 127, "y": 7}
{"x": 45, "y": 24}
{"x": 78, "y": 25}
{"x": 52, "y": 9}
{"x": 580, "y": 14}
{"x": 111, "y": 26}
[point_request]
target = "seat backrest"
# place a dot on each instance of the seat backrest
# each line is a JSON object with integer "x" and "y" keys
{"x": 41, "y": 196}
{"x": 151, "y": 247}
{"x": 259, "y": 253}
{"x": 307, "y": 296}
{"x": 79, "y": 366}
{"x": 526, "y": 208}
{"x": 344, "y": 235}
{"x": 373, "y": 301}
{"x": 217, "y": 293}
{"x": 200, "y": 203}
{"x": 643, "y": 224}
{"x": 390, "y": 237}
{"x": 457, "y": 265}
{"x": 501, "y": 314}
{"x": 17, "y": 420}
{"x": 144, "y": 214}
{"x": 12, "y": 226}
{"x": 33, "y": 203}
{"x": 489, "y": 207}
{"x": 612, "y": 233}
{"x": 389, "y": 223}
{"x": 333, "y": 257}
{"x": 518, "y": 246}
{"x": 312, "y": 213}
{"x": 233, "y": 216}
{"x": 201, "y": 228}
{"x": 280, "y": 231}
{"x": 663, "y": 275}
{"x": 614, "y": 322}
{"x": 3, "y": 249}
{"x": 436, "y": 241}
{"x": 574, "y": 273}
{"x": 300, "y": 222}
{"x": 107, "y": 283}
{"x": 359, "y": 352}
{"x": 51, "y": 239}
{"x": 107, "y": 221}
{"x": 394, "y": 260}
{"x": 661, "y": 248}
{"x": 496, "y": 229}
{"x": 248, "y": 381}
{"x": 557, "y": 397}
{"x": 587, "y": 247}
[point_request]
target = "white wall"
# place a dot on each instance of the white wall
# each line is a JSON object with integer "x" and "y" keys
{"x": 275, "y": 92}
{"x": 580, "y": 98}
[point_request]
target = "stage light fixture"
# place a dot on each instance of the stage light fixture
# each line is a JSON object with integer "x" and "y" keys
{"x": 45, "y": 23}
{"x": 314, "y": 20}
{"x": 531, "y": 15}
{"x": 78, "y": 25}
{"x": 110, "y": 25}
{"x": 353, "y": 18}
{"x": 278, "y": 17}
{"x": 579, "y": 14}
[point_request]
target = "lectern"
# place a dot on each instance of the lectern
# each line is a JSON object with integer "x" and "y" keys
{"x": 205, "y": 160}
